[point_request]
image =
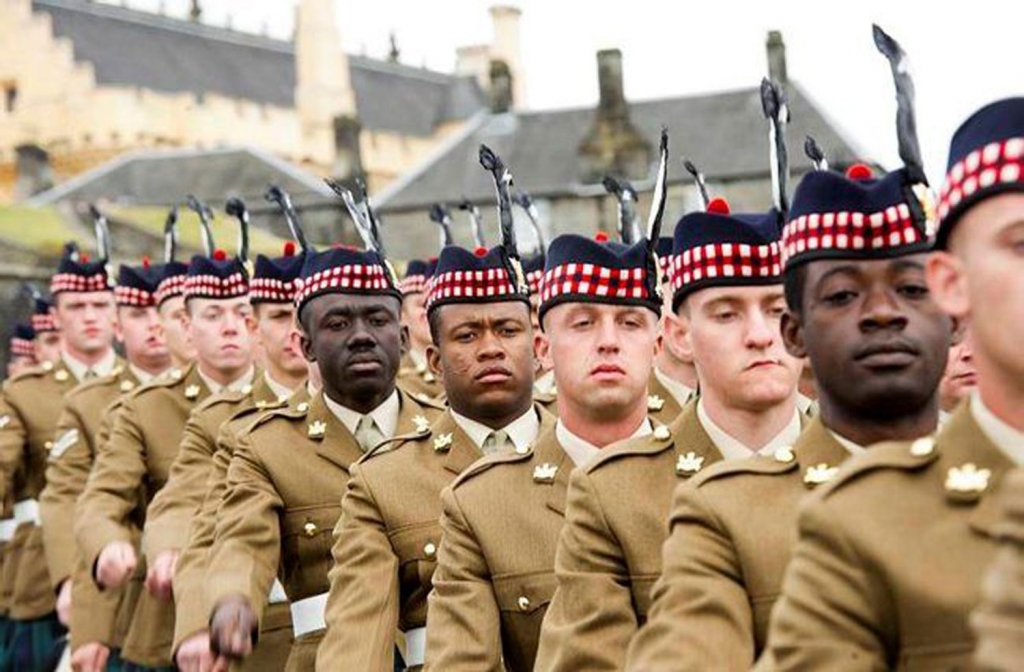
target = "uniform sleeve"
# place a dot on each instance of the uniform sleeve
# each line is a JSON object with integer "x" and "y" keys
{"x": 591, "y": 617}
{"x": 247, "y": 540}
{"x": 830, "y": 613}
{"x": 999, "y": 621}
{"x": 13, "y": 436}
{"x": 363, "y": 605}
{"x": 94, "y": 612}
{"x": 171, "y": 512}
{"x": 111, "y": 493}
{"x": 67, "y": 470}
{"x": 463, "y": 619}
{"x": 191, "y": 609}
{"x": 700, "y": 618}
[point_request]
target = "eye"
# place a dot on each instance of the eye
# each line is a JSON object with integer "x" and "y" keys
{"x": 776, "y": 311}
{"x": 581, "y": 323}
{"x": 913, "y": 290}
{"x": 465, "y": 336}
{"x": 724, "y": 315}
{"x": 840, "y": 297}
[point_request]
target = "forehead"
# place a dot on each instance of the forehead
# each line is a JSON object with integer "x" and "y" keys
{"x": 65, "y": 298}
{"x": 989, "y": 218}
{"x": 353, "y": 303}
{"x": 735, "y": 294}
{"x": 566, "y": 310}
{"x": 198, "y": 304}
{"x": 461, "y": 313}
{"x": 821, "y": 269}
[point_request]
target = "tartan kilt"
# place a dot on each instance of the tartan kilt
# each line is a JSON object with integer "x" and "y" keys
{"x": 36, "y": 645}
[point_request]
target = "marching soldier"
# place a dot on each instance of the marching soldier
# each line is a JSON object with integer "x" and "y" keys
{"x": 82, "y": 423}
{"x": 22, "y": 350}
{"x": 386, "y": 541}
{"x": 728, "y": 301}
{"x": 145, "y": 439}
{"x": 47, "y": 340}
{"x": 84, "y": 315}
{"x": 502, "y": 517}
{"x": 415, "y": 375}
{"x": 172, "y": 515}
{"x": 282, "y": 497}
{"x": 859, "y": 309}
{"x": 674, "y": 377}
{"x": 892, "y": 553}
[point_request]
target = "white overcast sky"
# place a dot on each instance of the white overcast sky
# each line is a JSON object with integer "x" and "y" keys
{"x": 963, "y": 53}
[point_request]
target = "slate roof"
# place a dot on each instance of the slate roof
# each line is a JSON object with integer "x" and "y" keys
{"x": 725, "y": 134}
{"x": 128, "y": 47}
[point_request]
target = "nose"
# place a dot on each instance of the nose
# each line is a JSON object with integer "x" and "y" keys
{"x": 882, "y": 311}
{"x": 761, "y": 331}
{"x": 490, "y": 346}
{"x": 608, "y": 335}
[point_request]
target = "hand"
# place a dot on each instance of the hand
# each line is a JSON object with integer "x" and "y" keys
{"x": 116, "y": 564}
{"x": 91, "y": 657}
{"x": 161, "y": 574}
{"x": 194, "y": 654}
{"x": 231, "y": 630}
{"x": 64, "y": 603}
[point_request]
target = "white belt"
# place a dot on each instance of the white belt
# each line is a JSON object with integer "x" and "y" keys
{"x": 308, "y": 615}
{"x": 415, "y": 647}
{"x": 7, "y": 528}
{"x": 277, "y": 594}
{"x": 27, "y": 511}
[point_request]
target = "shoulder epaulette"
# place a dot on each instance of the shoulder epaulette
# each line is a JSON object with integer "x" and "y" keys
{"x": 658, "y": 441}
{"x": 225, "y": 397}
{"x": 903, "y": 455}
{"x": 752, "y": 465}
{"x": 487, "y": 461}
{"x": 395, "y": 442}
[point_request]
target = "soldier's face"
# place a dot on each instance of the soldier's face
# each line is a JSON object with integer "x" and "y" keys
{"x": 279, "y": 338}
{"x": 221, "y": 331}
{"x": 19, "y": 363}
{"x": 602, "y": 356}
{"x": 174, "y": 322}
{"x": 85, "y": 320}
{"x": 138, "y": 329}
{"x": 876, "y": 340}
{"x": 357, "y": 340}
{"x": 981, "y": 278}
{"x": 47, "y": 346}
{"x": 484, "y": 358}
{"x": 732, "y": 335}
{"x": 961, "y": 376}
{"x": 414, "y": 317}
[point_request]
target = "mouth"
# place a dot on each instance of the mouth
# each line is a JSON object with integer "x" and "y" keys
{"x": 896, "y": 354}
{"x": 364, "y": 363}
{"x": 763, "y": 364}
{"x": 968, "y": 378}
{"x": 607, "y": 372}
{"x": 493, "y": 375}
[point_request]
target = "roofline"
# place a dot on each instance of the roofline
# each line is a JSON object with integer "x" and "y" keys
{"x": 58, "y": 192}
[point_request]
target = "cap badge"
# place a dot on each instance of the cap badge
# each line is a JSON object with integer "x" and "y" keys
{"x": 317, "y": 429}
{"x": 690, "y": 463}
{"x": 422, "y": 424}
{"x": 967, "y": 482}
{"x": 192, "y": 392}
{"x": 544, "y": 473}
{"x": 443, "y": 443}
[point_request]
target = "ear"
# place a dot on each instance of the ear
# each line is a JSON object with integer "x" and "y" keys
{"x": 677, "y": 337}
{"x": 118, "y": 330}
{"x": 404, "y": 336}
{"x": 542, "y": 350}
{"x": 949, "y": 285}
{"x": 434, "y": 361}
{"x": 306, "y": 343}
{"x": 793, "y": 334}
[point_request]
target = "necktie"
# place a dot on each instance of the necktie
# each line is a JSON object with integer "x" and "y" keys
{"x": 497, "y": 442}
{"x": 89, "y": 374}
{"x": 368, "y": 435}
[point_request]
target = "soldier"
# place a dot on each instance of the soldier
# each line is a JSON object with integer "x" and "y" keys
{"x": 174, "y": 318}
{"x": 145, "y": 439}
{"x": 387, "y": 537}
{"x": 961, "y": 378}
{"x": 415, "y": 375}
{"x": 82, "y": 422}
{"x": 891, "y": 553}
{"x": 502, "y": 516}
{"x": 172, "y": 514}
{"x": 47, "y": 340}
{"x": 728, "y": 301}
{"x": 84, "y": 315}
{"x": 859, "y": 309}
{"x": 675, "y": 375}
{"x": 282, "y": 497}
{"x": 22, "y": 350}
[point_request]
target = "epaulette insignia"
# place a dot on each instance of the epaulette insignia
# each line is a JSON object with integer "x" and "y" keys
{"x": 661, "y": 433}
{"x": 964, "y": 484}
{"x": 317, "y": 429}
{"x": 655, "y": 403}
{"x": 422, "y": 424}
{"x": 689, "y": 464}
{"x": 443, "y": 443}
{"x": 545, "y": 473}
{"x": 818, "y": 474}
{"x": 192, "y": 392}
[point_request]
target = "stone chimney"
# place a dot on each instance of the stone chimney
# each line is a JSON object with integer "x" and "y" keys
{"x": 323, "y": 90}
{"x": 348, "y": 158}
{"x": 613, "y": 146}
{"x": 506, "y": 47}
{"x": 501, "y": 87}
{"x": 33, "y": 171}
{"x": 776, "y": 50}
{"x": 195, "y": 11}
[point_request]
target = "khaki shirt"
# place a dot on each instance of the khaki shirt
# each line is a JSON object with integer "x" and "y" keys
{"x": 281, "y": 503}
{"x": 29, "y": 410}
{"x": 609, "y": 551}
{"x": 732, "y": 526}
{"x": 130, "y": 468}
{"x": 495, "y": 574}
{"x": 891, "y": 556}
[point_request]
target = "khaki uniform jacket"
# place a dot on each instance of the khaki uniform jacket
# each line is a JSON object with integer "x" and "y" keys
{"x": 130, "y": 468}
{"x": 173, "y": 508}
{"x": 495, "y": 574}
{"x": 283, "y": 500}
{"x": 386, "y": 542}
{"x": 733, "y": 527}
{"x": 29, "y": 411}
{"x": 999, "y": 621}
{"x": 609, "y": 551}
{"x": 419, "y": 381}
{"x": 70, "y": 461}
{"x": 891, "y": 556}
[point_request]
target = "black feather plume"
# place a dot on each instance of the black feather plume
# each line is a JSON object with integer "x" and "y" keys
{"x": 773, "y": 102}
{"x": 467, "y": 206}
{"x": 205, "y": 215}
{"x": 171, "y": 235}
{"x": 525, "y": 201}
{"x": 906, "y": 117}
{"x": 102, "y": 233}
{"x": 814, "y": 153}
{"x": 440, "y": 215}
{"x": 625, "y": 196}
{"x": 502, "y": 177}
{"x": 236, "y": 208}
{"x": 283, "y": 199}
{"x": 698, "y": 178}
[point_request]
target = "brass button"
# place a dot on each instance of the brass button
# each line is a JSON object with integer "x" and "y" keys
{"x": 310, "y": 528}
{"x": 430, "y": 549}
{"x": 48, "y": 445}
{"x": 302, "y": 407}
{"x": 524, "y": 603}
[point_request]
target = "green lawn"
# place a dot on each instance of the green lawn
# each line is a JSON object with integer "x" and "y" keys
{"x": 41, "y": 229}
